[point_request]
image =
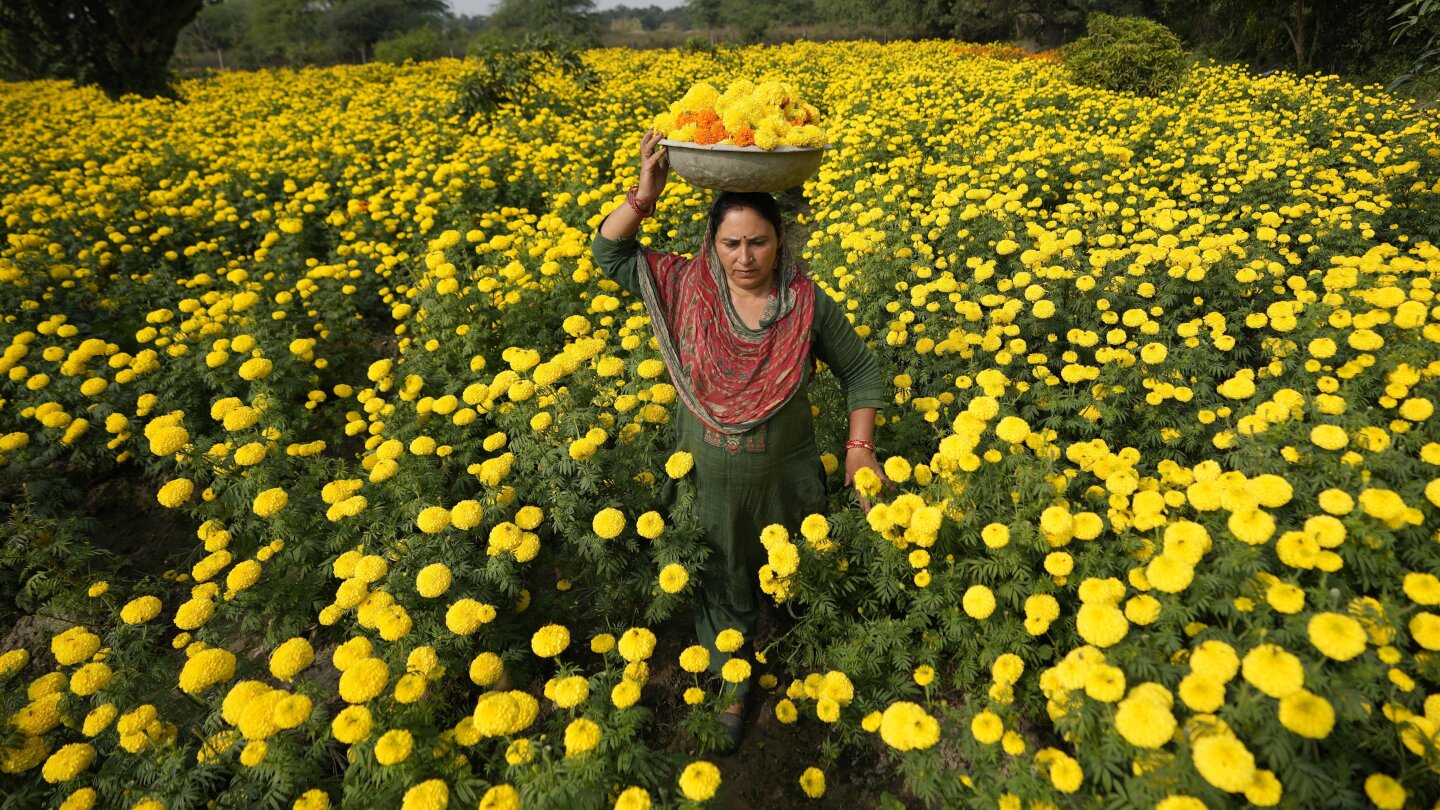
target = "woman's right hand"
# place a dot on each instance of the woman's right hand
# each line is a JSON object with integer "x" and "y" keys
{"x": 654, "y": 166}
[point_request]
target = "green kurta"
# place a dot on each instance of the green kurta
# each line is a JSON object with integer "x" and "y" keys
{"x": 769, "y": 474}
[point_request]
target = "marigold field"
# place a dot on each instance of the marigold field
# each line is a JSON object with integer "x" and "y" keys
{"x": 1164, "y": 521}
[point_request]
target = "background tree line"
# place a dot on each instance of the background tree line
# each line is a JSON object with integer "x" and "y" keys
{"x": 132, "y": 45}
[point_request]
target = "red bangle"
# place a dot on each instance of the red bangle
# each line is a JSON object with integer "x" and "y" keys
{"x": 632, "y": 198}
{"x": 861, "y": 444}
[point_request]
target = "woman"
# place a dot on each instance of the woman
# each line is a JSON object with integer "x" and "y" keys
{"x": 738, "y": 327}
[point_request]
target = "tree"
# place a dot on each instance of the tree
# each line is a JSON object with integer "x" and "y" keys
{"x": 355, "y": 26}
{"x": 571, "y": 19}
{"x": 336, "y": 30}
{"x": 219, "y": 27}
{"x": 704, "y": 13}
{"x": 121, "y": 46}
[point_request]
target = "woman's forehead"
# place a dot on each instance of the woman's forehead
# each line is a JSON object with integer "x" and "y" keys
{"x": 741, "y": 223}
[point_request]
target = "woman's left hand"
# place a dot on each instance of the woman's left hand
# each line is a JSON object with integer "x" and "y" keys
{"x": 857, "y": 458}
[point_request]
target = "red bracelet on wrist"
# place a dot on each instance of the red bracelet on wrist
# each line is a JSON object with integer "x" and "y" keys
{"x": 861, "y": 444}
{"x": 642, "y": 208}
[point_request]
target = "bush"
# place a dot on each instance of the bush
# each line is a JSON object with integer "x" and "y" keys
{"x": 698, "y": 44}
{"x": 419, "y": 45}
{"x": 1127, "y": 55}
{"x": 506, "y": 71}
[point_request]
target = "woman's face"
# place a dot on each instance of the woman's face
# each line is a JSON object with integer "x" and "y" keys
{"x": 746, "y": 244}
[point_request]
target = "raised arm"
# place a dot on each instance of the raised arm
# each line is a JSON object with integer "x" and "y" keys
{"x": 624, "y": 221}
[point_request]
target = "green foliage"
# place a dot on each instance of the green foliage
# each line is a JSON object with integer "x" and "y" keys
{"x": 120, "y": 46}
{"x": 1418, "y": 19}
{"x": 509, "y": 72}
{"x": 698, "y": 44}
{"x": 572, "y": 20}
{"x": 299, "y": 31}
{"x": 45, "y": 553}
{"x": 1126, "y": 54}
{"x": 419, "y": 45}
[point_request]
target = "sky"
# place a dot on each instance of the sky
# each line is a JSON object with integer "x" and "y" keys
{"x": 472, "y": 7}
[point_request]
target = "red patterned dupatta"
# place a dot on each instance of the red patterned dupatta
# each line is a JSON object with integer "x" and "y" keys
{"x": 730, "y": 376}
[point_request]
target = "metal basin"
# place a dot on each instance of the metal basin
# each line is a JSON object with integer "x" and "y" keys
{"x": 724, "y": 167}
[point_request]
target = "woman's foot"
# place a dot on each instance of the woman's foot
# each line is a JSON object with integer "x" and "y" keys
{"x": 733, "y": 718}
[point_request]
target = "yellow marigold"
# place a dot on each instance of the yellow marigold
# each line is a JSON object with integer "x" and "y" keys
{"x": 1273, "y": 670}
{"x": 432, "y": 794}
{"x": 364, "y": 680}
{"x": 729, "y": 640}
{"x": 1065, "y": 774}
{"x": 1265, "y": 790}
{"x": 1422, "y": 588}
{"x": 673, "y": 578}
{"x": 255, "y": 368}
{"x": 978, "y": 602}
{"x": 1102, "y": 625}
{"x": 433, "y": 580}
{"x": 1385, "y": 792}
{"x": 501, "y": 797}
{"x": 1224, "y": 762}
{"x": 270, "y": 501}
{"x": 987, "y": 727}
{"x": 1201, "y": 693}
{"x": 1285, "y": 598}
{"x": 736, "y": 670}
{"x": 1012, "y": 429}
{"x": 1307, "y": 714}
{"x": 1252, "y": 526}
{"x": 433, "y": 519}
{"x": 650, "y": 525}
{"x": 550, "y": 640}
{"x": 625, "y": 694}
{"x": 351, "y": 725}
{"x": 242, "y": 576}
{"x": 68, "y": 762}
{"x": 1337, "y": 636}
{"x": 194, "y": 613}
{"x": 15, "y": 660}
{"x": 1144, "y": 722}
{"x": 205, "y": 669}
{"x": 1329, "y": 437}
{"x": 139, "y": 610}
{"x": 608, "y": 523}
{"x": 905, "y": 726}
{"x": 91, "y": 678}
{"x": 581, "y": 737}
{"x": 486, "y": 669}
{"x": 74, "y": 645}
{"x": 812, "y": 782}
{"x": 1105, "y": 683}
{"x": 1169, "y": 573}
{"x": 1425, "y": 629}
{"x": 291, "y": 658}
{"x": 695, "y": 658}
{"x": 394, "y": 747}
{"x": 699, "y": 781}
{"x": 995, "y": 535}
{"x": 175, "y": 493}
{"x": 467, "y": 615}
{"x": 313, "y": 799}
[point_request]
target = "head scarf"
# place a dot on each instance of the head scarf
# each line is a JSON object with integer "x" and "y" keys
{"x": 730, "y": 376}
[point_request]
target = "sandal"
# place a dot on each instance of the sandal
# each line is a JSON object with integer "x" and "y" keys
{"x": 734, "y": 731}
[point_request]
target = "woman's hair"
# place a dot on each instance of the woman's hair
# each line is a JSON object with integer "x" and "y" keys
{"x": 757, "y": 201}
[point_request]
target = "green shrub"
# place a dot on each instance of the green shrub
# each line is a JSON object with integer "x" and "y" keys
{"x": 419, "y": 45}
{"x": 506, "y": 72}
{"x": 1126, "y": 54}
{"x": 698, "y": 44}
